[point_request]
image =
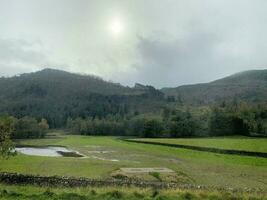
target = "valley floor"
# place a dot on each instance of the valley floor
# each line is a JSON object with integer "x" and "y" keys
{"x": 105, "y": 156}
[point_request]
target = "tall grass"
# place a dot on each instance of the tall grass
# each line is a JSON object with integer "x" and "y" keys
{"x": 8, "y": 192}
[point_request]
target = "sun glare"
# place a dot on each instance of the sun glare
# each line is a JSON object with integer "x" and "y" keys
{"x": 116, "y": 26}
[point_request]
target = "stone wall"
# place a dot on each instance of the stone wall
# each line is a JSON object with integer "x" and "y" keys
{"x": 206, "y": 149}
{"x": 16, "y": 178}
{"x": 61, "y": 181}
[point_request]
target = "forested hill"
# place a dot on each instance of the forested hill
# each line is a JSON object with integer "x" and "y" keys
{"x": 57, "y": 95}
{"x": 248, "y": 86}
{"x": 58, "y": 83}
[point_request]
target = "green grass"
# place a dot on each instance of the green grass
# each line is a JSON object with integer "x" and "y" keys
{"x": 200, "y": 168}
{"x": 235, "y": 143}
{"x": 156, "y": 175}
{"x": 46, "y": 193}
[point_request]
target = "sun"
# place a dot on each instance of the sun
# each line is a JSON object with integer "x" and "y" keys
{"x": 116, "y": 26}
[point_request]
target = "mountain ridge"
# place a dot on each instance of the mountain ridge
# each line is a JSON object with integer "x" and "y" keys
{"x": 250, "y": 86}
{"x": 57, "y": 95}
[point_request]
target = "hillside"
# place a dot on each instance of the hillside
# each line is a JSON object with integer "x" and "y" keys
{"x": 249, "y": 86}
{"x": 57, "y": 95}
{"x": 50, "y": 81}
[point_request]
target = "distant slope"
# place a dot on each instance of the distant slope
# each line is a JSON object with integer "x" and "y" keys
{"x": 57, "y": 95}
{"x": 249, "y": 86}
{"x": 51, "y": 81}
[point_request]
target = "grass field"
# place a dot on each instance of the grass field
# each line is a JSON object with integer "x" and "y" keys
{"x": 235, "y": 143}
{"x": 199, "y": 168}
{"x": 46, "y": 193}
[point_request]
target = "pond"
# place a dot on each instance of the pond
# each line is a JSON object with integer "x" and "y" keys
{"x": 48, "y": 151}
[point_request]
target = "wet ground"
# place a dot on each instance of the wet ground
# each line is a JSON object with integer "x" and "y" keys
{"x": 48, "y": 151}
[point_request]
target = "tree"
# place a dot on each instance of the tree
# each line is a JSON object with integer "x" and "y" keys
{"x": 27, "y": 127}
{"x": 152, "y": 128}
{"x": 182, "y": 125}
{"x": 166, "y": 113}
{"x": 6, "y": 128}
{"x": 229, "y": 120}
{"x": 43, "y": 125}
{"x": 135, "y": 126}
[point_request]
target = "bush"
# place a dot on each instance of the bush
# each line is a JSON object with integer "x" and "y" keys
{"x": 28, "y": 127}
{"x": 6, "y": 129}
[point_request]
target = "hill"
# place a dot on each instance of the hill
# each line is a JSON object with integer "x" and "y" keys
{"x": 57, "y": 95}
{"x": 249, "y": 86}
{"x": 51, "y": 81}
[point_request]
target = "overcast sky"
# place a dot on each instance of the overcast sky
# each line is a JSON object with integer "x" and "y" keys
{"x": 156, "y": 42}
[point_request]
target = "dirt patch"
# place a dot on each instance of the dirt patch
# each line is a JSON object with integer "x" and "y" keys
{"x": 151, "y": 174}
{"x": 105, "y": 159}
{"x": 146, "y": 170}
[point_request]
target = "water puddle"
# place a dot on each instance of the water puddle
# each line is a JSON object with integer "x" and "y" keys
{"x": 48, "y": 151}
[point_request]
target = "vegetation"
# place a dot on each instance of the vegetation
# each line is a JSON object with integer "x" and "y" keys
{"x": 225, "y": 119}
{"x": 239, "y": 119}
{"x": 106, "y": 155}
{"x": 57, "y": 95}
{"x": 26, "y": 127}
{"x": 30, "y": 104}
{"x": 156, "y": 175}
{"x": 45, "y": 193}
{"x": 231, "y": 143}
{"x": 248, "y": 86}
{"x": 6, "y": 145}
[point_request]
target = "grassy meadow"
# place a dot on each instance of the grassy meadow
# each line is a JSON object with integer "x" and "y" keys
{"x": 106, "y": 155}
{"x": 233, "y": 143}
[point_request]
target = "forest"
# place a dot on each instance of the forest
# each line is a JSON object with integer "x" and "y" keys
{"x": 221, "y": 120}
{"x": 224, "y": 119}
{"x": 88, "y": 105}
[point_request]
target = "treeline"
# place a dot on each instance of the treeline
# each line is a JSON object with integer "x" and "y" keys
{"x": 25, "y": 127}
{"x": 227, "y": 118}
{"x": 239, "y": 119}
{"x": 224, "y": 119}
{"x": 182, "y": 124}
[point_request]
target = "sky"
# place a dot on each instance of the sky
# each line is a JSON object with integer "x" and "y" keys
{"x": 164, "y": 43}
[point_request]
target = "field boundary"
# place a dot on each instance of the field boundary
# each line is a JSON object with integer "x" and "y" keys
{"x": 63, "y": 181}
{"x": 205, "y": 149}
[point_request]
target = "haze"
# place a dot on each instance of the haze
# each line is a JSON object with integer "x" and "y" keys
{"x": 161, "y": 43}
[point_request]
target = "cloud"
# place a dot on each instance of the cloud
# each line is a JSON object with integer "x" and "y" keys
{"x": 18, "y": 56}
{"x": 165, "y": 43}
{"x": 169, "y": 61}
{"x": 198, "y": 56}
